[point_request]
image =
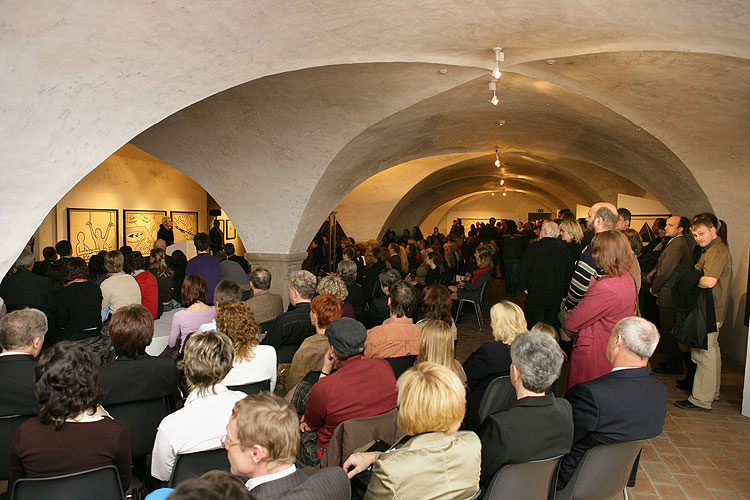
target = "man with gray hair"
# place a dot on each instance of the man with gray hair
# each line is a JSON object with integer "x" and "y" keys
{"x": 347, "y": 270}
{"x": 264, "y": 304}
{"x": 544, "y": 276}
{"x": 290, "y": 328}
{"x": 537, "y": 425}
{"x": 602, "y": 217}
{"x": 21, "y": 338}
{"x": 627, "y": 404}
{"x": 22, "y": 288}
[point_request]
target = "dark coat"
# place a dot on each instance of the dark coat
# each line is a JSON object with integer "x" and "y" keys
{"x": 330, "y": 483}
{"x": 490, "y": 361}
{"x": 17, "y": 381}
{"x": 545, "y": 272}
{"x": 532, "y": 428}
{"x": 146, "y": 377}
{"x": 625, "y": 405}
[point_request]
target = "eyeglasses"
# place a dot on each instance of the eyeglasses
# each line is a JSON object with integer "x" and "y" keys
{"x": 226, "y": 443}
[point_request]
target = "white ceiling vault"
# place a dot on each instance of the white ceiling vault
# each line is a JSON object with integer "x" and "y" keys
{"x": 283, "y": 111}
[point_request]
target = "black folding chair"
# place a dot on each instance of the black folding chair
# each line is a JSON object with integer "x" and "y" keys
{"x": 499, "y": 395}
{"x": 8, "y": 426}
{"x": 401, "y": 364}
{"x": 143, "y": 419}
{"x": 191, "y": 465}
{"x": 254, "y": 388}
{"x": 603, "y": 472}
{"x": 95, "y": 484}
{"x": 526, "y": 481}
{"x": 477, "y": 305}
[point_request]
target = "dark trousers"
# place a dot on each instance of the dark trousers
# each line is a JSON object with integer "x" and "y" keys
{"x": 512, "y": 269}
{"x": 672, "y": 354}
{"x": 535, "y": 313}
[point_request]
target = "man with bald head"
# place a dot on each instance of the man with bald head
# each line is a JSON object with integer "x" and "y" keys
{"x": 544, "y": 276}
{"x": 673, "y": 261}
{"x": 602, "y": 217}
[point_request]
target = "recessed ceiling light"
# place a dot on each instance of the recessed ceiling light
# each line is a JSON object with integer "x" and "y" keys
{"x": 551, "y": 61}
{"x": 442, "y": 71}
{"x": 501, "y": 122}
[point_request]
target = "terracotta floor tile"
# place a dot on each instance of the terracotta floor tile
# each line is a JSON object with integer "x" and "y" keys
{"x": 670, "y": 491}
{"x": 696, "y": 458}
{"x": 713, "y": 479}
{"x": 677, "y": 464}
{"x": 649, "y": 454}
{"x": 739, "y": 479}
{"x": 639, "y": 495}
{"x": 680, "y": 439}
{"x": 726, "y": 495}
{"x": 643, "y": 484}
{"x": 693, "y": 486}
{"x": 658, "y": 472}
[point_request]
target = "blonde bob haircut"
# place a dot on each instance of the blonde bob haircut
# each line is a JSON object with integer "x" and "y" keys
{"x": 573, "y": 228}
{"x": 208, "y": 357}
{"x": 431, "y": 398}
{"x": 271, "y": 422}
{"x": 507, "y": 321}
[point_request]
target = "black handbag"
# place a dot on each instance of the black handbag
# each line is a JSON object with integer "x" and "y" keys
{"x": 692, "y": 327}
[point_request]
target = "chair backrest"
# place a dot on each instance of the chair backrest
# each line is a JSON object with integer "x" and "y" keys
{"x": 401, "y": 364}
{"x": 8, "y": 426}
{"x": 143, "y": 419}
{"x": 191, "y": 465}
{"x": 604, "y": 470}
{"x": 254, "y": 388}
{"x": 525, "y": 481}
{"x": 499, "y": 395}
{"x": 94, "y": 484}
{"x": 285, "y": 353}
{"x": 352, "y": 434}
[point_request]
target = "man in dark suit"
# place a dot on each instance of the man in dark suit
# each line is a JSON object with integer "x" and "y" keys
{"x": 26, "y": 289}
{"x": 537, "y": 425}
{"x": 626, "y": 404}
{"x": 262, "y": 441}
{"x": 21, "y": 338}
{"x": 544, "y": 277}
{"x": 41, "y": 267}
{"x": 673, "y": 261}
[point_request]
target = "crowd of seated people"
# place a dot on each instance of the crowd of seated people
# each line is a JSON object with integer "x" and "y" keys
{"x": 376, "y": 337}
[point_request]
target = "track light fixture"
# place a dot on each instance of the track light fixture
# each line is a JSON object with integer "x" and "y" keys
{"x": 499, "y": 57}
{"x": 493, "y": 88}
{"x": 502, "y": 182}
{"x": 497, "y": 158}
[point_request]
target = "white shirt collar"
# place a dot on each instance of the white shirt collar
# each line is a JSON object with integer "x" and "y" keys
{"x": 255, "y": 481}
{"x": 217, "y": 389}
{"x": 13, "y": 353}
{"x": 618, "y": 368}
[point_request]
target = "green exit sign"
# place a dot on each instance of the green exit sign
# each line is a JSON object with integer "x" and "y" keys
{"x": 540, "y": 210}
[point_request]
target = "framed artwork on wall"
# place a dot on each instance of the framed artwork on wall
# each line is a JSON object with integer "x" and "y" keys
{"x": 231, "y": 231}
{"x": 141, "y": 228}
{"x": 91, "y": 230}
{"x": 221, "y": 227}
{"x": 184, "y": 225}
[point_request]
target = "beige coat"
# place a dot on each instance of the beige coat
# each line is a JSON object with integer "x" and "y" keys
{"x": 434, "y": 465}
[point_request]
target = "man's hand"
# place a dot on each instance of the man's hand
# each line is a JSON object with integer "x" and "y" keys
{"x": 328, "y": 361}
{"x": 360, "y": 462}
{"x": 303, "y": 427}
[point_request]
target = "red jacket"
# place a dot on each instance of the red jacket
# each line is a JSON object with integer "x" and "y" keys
{"x": 149, "y": 291}
{"x": 359, "y": 388}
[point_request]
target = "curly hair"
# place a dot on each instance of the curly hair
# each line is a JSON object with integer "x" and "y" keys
{"x": 333, "y": 285}
{"x": 66, "y": 383}
{"x": 237, "y": 321}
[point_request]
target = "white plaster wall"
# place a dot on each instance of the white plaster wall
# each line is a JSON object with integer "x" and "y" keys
{"x": 132, "y": 180}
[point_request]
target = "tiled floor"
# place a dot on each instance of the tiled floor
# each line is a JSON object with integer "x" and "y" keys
{"x": 700, "y": 455}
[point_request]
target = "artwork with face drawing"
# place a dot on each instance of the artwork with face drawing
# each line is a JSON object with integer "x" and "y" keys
{"x": 185, "y": 225}
{"x": 91, "y": 230}
{"x": 141, "y": 228}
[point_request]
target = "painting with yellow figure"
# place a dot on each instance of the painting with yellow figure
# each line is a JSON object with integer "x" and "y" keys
{"x": 91, "y": 230}
{"x": 141, "y": 228}
{"x": 184, "y": 224}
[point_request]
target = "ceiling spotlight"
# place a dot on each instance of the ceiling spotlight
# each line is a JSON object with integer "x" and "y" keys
{"x": 499, "y": 57}
{"x": 497, "y": 159}
{"x": 493, "y": 88}
{"x": 505, "y": 194}
{"x": 501, "y": 122}
{"x": 493, "y": 193}
{"x": 502, "y": 181}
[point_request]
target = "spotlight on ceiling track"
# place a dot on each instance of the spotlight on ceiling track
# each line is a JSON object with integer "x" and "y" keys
{"x": 502, "y": 182}
{"x": 499, "y": 57}
{"x": 505, "y": 194}
{"x": 497, "y": 158}
{"x": 493, "y": 88}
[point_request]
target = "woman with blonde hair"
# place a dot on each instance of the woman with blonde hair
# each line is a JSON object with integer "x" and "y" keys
{"x": 431, "y": 402}
{"x": 252, "y": 362}
{"x": 608, "y": 299}
{"x": 492, "y": 359}
{"x": 572, "y": 235}
{"x": 437, "y": 347}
